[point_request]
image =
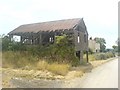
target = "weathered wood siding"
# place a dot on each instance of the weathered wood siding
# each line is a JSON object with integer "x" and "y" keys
{"x": 81, "y": 33}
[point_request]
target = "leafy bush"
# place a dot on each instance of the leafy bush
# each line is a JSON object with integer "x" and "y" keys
{"x": 110, "y": 54}
{"x": 62, "y": 51}
{"x": 90, "y": 51}
{"x": 11, "y": 45}
{"x": 103, "y": 56}
{"x": 100, "y": 56}
{"x": 6, "y": 43}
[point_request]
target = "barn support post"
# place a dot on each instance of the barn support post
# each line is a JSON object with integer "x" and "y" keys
{"x": 11, "y": 37}
{"x": 81, "y": 57}
{"x": 21, "y": 39}
{"x": 87, "y": 56}
{"x": 32, "y": 39}
{"x": 40, "y": 38}
{"x": 79, "y": 54}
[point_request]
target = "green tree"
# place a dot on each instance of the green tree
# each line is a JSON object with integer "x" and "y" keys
{"x": 115, "y": 48}
{"x": 8, "y": 44}
{"x": 102, "y": 43}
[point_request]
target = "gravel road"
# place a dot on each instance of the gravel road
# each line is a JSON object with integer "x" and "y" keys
{"x": 104, "y": 76}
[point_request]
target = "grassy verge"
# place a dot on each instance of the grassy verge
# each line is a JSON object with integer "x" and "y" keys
{"x": 44, "y": 70}
{"x": 26, "y": 61}
{"x": 17, "y": 60}
{"x": 74, "y": 72}
{"x": 96, "y": 63}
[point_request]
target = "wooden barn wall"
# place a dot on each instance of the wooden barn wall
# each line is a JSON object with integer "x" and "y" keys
{"x": 82, "y": 45}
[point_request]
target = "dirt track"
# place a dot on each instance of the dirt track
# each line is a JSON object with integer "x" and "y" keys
{"x": 104, "y": 76}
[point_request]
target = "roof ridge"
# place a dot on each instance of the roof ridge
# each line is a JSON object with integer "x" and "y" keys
{"x": 51, "y": 21}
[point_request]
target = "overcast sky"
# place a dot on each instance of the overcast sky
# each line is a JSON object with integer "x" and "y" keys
{"x": 100, "y": 16}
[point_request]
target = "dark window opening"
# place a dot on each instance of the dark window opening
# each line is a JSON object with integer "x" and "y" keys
{"x": 78, "y": 38}
{"x": 51, "y": 39}
{"x": 85, "y": 38}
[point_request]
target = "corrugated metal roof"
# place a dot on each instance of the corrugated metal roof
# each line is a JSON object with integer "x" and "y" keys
{"x": 47, "y": 26}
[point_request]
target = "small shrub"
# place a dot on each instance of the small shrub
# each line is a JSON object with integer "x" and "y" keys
{"x": 90, "y": 51}
{"x": 100, "y": 56}
{"x": 110, "y": 54}
{"x": 75, "y": 62}
{"x": 103, "y": 56}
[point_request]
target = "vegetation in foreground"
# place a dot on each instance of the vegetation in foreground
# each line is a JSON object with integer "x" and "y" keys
{"x": 57, "y": 58}
{"x": 25, "y": 61}
{"x": 34, "y": 74}
{"x": 45, "y": 62}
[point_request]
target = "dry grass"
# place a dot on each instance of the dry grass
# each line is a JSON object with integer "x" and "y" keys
{"x": 54, "y": 69}
{"x": 8, "y": 74}
{"x": 28, "y": 66}
{"x": 98, "y": 62}
{"x": 91, "y": 57}
{"x": 15, "y": 59}
{"x": 5, "y": 82}
{"x": 60, "y": 69}
{"x": 73, "y": 74}
{"x": 26, "y": 61}
{"x": 42, "y": 65}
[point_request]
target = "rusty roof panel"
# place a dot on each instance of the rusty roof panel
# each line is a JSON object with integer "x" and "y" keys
{"x": 46, "y": 26}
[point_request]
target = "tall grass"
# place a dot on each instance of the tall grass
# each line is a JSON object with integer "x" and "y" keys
{"x": 91, "y": 57}
{"x": 12, "y": 59}
{"x": 61, "y": 69}
{"x": 26, "y": 61}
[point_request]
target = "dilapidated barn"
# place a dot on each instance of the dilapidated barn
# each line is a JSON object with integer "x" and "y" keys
{"x": 45, "y": 32}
